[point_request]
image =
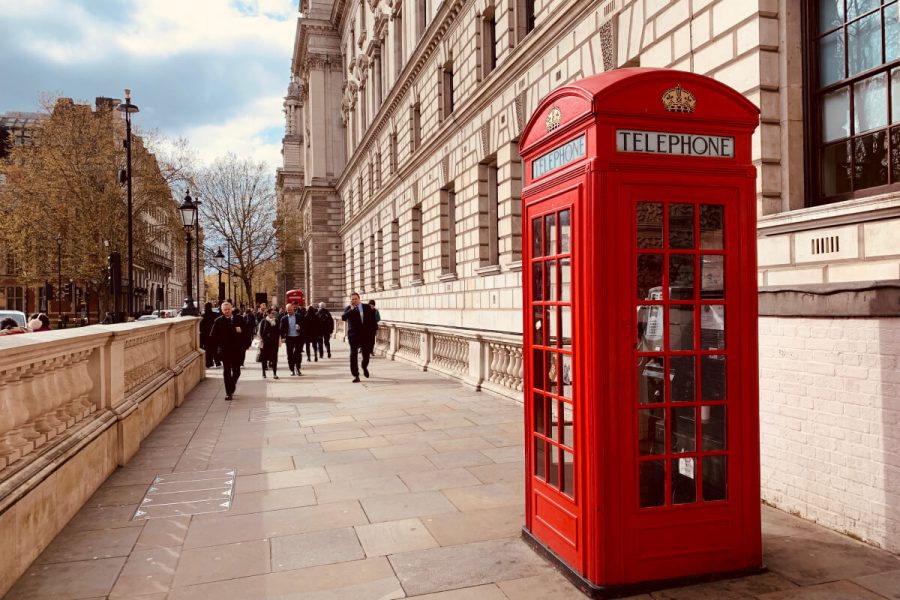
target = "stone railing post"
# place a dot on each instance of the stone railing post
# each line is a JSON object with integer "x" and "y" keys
{"x": 425, "y": 354}
{"x": 476, "y": 362}
{"x": 395, "y": 342}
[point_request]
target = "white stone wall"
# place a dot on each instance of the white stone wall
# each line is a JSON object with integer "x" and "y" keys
{"x": 830, "y": 419}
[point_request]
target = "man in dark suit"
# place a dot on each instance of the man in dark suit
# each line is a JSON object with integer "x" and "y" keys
{"x": 360, "y": 320}
{"x": 291, "y": 326}
{"x": 231, "y": 337}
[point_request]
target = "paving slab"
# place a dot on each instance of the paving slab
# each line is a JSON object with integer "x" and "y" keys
{"x": 428, "y": 502}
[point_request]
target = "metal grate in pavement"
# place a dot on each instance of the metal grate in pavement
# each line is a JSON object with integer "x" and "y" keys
{"x": 273, "y": 413}
{"x": 189, "y": 493}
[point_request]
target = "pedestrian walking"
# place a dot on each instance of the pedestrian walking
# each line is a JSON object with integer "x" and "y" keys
{"x": 360, "y": 319}
{"x": 232, "y": 337}
{"x": 311, "y": 333}
{"x": 377, "y": 321}
{"x": 44, "y": 319}
{"x": 290, "y": 328}
{"x": 269, "y": 341}
{"x": 206, "y": 323}
{"x": 326, "y": 329}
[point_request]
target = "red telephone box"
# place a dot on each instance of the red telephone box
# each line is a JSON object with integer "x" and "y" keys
{"x": 640, "y": 312}
{"x": 295, "y": 297}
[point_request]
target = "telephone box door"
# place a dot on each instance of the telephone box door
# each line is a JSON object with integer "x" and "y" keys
{"x": 555, "y": 422}
{"x": 687, "y": 407}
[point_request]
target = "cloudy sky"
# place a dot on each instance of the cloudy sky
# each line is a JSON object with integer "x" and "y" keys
{"x": 212, "y": 71}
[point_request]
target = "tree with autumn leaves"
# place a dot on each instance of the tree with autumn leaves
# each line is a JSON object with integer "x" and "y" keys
{"x": 67, "y": 183}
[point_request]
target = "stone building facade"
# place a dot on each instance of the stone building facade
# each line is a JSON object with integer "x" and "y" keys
{"x": 422, "y": 178}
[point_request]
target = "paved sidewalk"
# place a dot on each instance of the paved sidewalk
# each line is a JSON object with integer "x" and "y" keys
{"x": 406, "y": 485}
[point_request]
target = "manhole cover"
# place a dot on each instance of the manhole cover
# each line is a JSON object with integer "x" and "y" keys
{"x": 191, "y": 493}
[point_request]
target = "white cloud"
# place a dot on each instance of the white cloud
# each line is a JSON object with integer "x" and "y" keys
{"x": 212, "y": 71}
{"x": 242, "y": 134}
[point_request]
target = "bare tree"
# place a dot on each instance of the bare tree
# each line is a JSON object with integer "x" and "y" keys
{"x": 238, "y": 210}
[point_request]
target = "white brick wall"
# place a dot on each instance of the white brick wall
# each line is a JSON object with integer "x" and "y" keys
{"x": 830, "y": 422}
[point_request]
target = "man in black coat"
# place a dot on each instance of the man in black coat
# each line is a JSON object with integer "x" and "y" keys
{"x": 326, "y": 328}
{"x": 360, "y": 320}
{"x": 232, "y": 337}
{"x": 206, "y": 324}
{"x": 291, "y": 326}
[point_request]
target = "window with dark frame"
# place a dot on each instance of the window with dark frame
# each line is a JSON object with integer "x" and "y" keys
{"x": 488, "y": 42}
{"x": 855, "y": 83}
{"x": 415, "y": 126}
{"x": 447, "y": 89}
{"x": 395, "y": 253}
{"x": 448, "y": 230}
{"x": 416, "y": 227}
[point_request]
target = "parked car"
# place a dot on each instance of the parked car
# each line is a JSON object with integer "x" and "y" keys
{"x": 147, "y": 318}
{"x": 18, "y": 315}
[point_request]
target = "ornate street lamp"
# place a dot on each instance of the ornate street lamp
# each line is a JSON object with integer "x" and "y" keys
{"x": 188, "y": 219}
{"x": 220, "y": 262}
{"x": 128, "y": 108}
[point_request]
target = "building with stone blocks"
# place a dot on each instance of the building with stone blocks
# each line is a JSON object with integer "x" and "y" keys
{"x": 421, "y": 179}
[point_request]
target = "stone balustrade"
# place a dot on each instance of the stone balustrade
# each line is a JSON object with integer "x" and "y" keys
{"x": 75, "y": 404}
{"x": 489, "y": 361}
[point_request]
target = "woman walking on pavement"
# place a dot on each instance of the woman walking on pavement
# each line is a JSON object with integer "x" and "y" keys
{"x": 311, "y": 333}
{"x": 269, "y": 340}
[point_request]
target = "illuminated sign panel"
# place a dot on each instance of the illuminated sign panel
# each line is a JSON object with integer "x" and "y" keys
{"x": 676, "y": 144}
{"x": 562, "y": 155}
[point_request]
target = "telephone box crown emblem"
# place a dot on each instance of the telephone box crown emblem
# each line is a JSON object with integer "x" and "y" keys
{"x": 678, "y": 99}
{"x": 553, "y": 118}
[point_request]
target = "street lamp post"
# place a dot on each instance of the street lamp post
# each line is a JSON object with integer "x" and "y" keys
{"x": 59, "y": 241}
{"x": 188, "y": 220}
{"x": 197, "y": 203}
{"x": 220, "y": 262}
{"x": 128, "y": 108}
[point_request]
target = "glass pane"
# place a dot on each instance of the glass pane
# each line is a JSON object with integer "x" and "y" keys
{"x": 831, "y": 14}
{"x": 537, "y": 281}
{"x": 895, "y": 154}
{"x": 566, "y": 425}
{"x": 537, "y": 237}
{"x": 553, "y": 475}
{"x": 566, "y": 332}
{"x": 870, "y": 158}
{"x": 551, "y": 280}
{"x": 712, "y": 327}
{"x": 712, "y": 276}
{"x": 681, "y": 328}
{"x": 836, "y": 169}
{"x": 649, "y": 224}
{"x": 681, "y": 226}
{"x": 870, "y": 107}
{"x": 552, "y": 332}
{"x": 831, "y": 58}
{"x": 554, "y": 418}
{"x": 568, "y": 486}
{"x": 836, "y": 115}
{"x": 538, "y": 370}
{"x": 715, "y": 478}
{"x": 649, "y": 276}
{"x": 681, "y": 376}
{"x": 681, "y": 276}
{"x": 540, "y": 461}
{"x": 652, "y": 431}
{"x": 712, "y": 377}
{"x": 684, "y": 428}
{"x": 651, "y": 380}
{"x": 565, "y": 274}
{"x": 552, "y": 374}
{"x": 892, "y": 33}
{"x": 537, "y": 334}
{"x": 684, "y": 490}
{"x": 550, "y": 233}
{"x": 713, "y": 418}
{"x": 565, "y": 232}
{"x": 566, "y": 376}
{"x": 652, "y": 483}
{"x": 650, "y": 325}
{"x": 856, "y": 8}
{"x": 895, "y": 94}
{"x": 864, "y": 43}
{"x": 712, "y": 227}
{"x": 540, "y": 420}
